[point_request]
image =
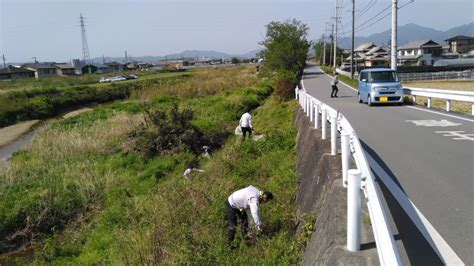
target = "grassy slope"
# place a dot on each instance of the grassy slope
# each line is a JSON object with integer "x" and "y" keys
{"x": 130, "y": 210}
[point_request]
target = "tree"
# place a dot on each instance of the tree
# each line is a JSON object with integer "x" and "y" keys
{"x": 235, "y": 60}
{"x": 319, "y": 48}
{"x": 286, "y": 46}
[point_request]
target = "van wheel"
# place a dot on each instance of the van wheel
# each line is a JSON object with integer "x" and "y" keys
{"x": 358, "y": 96}
{"x": 369, "y": 101}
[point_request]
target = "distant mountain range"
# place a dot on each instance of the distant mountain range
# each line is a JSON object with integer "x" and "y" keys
{"x": 184, "y": 54}
{"x": 408, "y": 33}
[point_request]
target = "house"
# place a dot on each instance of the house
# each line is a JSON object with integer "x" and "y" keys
{"x": 101, "y": 69}
{"x": 144, "y": 66}
{"x": 460, "y": 44}
{"x": 16, "y": 73}
{"x": 42, "y": 70}
{"x": 115, "y": 66}
{"x": 369, "y": 55}
{"x": 419, "y": 53}
{"x": 131, "y": 65}
{"x": 64, "y": 69}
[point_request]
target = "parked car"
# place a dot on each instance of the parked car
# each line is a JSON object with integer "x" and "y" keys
{"x": 104, "y": 80}
{"x": 379, "y": 85}
{"x": 117, "y": 78}
{"x": 132, "y": 76}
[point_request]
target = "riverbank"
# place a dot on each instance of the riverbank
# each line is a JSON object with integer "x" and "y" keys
{"x": 11, "y": 133}
{"x": 92, "y": 199}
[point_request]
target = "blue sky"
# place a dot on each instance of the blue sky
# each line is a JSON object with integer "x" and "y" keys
{"x": 49, "y": 30}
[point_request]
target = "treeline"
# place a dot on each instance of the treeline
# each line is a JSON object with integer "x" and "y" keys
{"x": 31, "y": 104}
{"x": 286, "y": 49}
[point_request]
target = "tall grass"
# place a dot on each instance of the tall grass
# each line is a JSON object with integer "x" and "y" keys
{"x": 175, "y": 221}
{"x": 202, "y": 82}
{"x": 87, "y": 200}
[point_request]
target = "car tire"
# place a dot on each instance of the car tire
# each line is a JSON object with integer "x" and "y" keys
{"x": 369, "y": 101}
{"x": 360, "y": 99}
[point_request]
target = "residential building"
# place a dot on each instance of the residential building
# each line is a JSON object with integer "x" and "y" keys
{"x": 101, "y": 69}
{"x": 115, "y": 66}
{"x": 42, "y": 70}
{"x": 460, "y": 44}
{"x": 131, "y": 65}
{"x": 64, "y": 69}
{"x": 16, "y": 73}
{"x": 369, "y": 55}
{"x": 419, "y": 53}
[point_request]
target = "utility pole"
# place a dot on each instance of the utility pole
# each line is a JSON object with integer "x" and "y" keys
{"x": 394, "y": 35}
{"x": 331, "y": 59}
{"x": 323, "y": 62}
{"x": 336, "y": 21}
{"x": 353, "y": 30}
{"x": 4, "y": 65}
{"x": 324, "y": 41}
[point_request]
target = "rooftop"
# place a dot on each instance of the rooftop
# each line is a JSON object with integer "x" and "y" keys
{"x": 459, "y": 37}
{"x": 419, "y": 44}
{"x": 11, "y": 70}
{"x": 37, "y": 66}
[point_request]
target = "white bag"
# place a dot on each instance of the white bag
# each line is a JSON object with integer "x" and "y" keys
{"x": 238, "y": 130}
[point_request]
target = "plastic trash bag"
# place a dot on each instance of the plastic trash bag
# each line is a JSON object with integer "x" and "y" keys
{"x": 238, "y": 130}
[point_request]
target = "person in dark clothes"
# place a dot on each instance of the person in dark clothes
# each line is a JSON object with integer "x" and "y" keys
{"x": 237, "y": 205}
{"x": 334, "y": 82}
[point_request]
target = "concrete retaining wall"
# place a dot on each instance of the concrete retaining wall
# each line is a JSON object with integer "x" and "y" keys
{"x": 322, "y": 194}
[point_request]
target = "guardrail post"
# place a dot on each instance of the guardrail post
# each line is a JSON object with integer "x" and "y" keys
{"x": 448, "y": 105}
{"x": 345, "y": 156}
{"x": 296, "y": 93}
{"x": 429, "y": 102}
{"x": 353, "y": 210}
{"x": 414, "y": 99}
{"x": 308, "y": 99}
{"x": 333, "y": 136}
{"x": 316, "y": 116}
{"x": 311, "y": 110}
{"x": 323, "y": 123}
{"x": 304, "y": 102}
{"x": 472, "y": 109}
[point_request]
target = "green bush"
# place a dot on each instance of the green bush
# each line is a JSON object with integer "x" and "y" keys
{"x": 285, "y": 83}
{"x": 165, "y": 133}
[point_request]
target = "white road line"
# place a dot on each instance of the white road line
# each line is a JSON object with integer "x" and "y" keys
{"x": 434, "y": 112}
{"x": 439, "y": 245}
{"x": 413, "y": 107}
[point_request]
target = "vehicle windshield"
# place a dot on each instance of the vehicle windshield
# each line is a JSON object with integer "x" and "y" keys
{"x": 383, "y": 76}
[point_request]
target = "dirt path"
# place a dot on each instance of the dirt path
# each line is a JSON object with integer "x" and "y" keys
{"x": 77, "y": 112}
{"x": 13, "y": 132}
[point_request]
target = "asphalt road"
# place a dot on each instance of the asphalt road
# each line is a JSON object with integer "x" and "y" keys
{"x": 429, "y": 155}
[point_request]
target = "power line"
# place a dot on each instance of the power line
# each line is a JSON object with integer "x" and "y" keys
{"x": 400, "y": 7}
{"x": 368, "y": 23}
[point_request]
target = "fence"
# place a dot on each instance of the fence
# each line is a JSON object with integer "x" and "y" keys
{"x": 448, "y": 95}
{"x": 355, "y": 179}
{"x": 446, "y": 75}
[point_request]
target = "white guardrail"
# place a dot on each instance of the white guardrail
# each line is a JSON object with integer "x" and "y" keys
{"x": 448, "y": 95}
{"x": 355, "y": 179}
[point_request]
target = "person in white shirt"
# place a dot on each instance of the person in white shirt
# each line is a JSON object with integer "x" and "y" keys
{"x": 237, "y": 205}
{"x": 246, "y": 124}
{"x": 334, "y": 82}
